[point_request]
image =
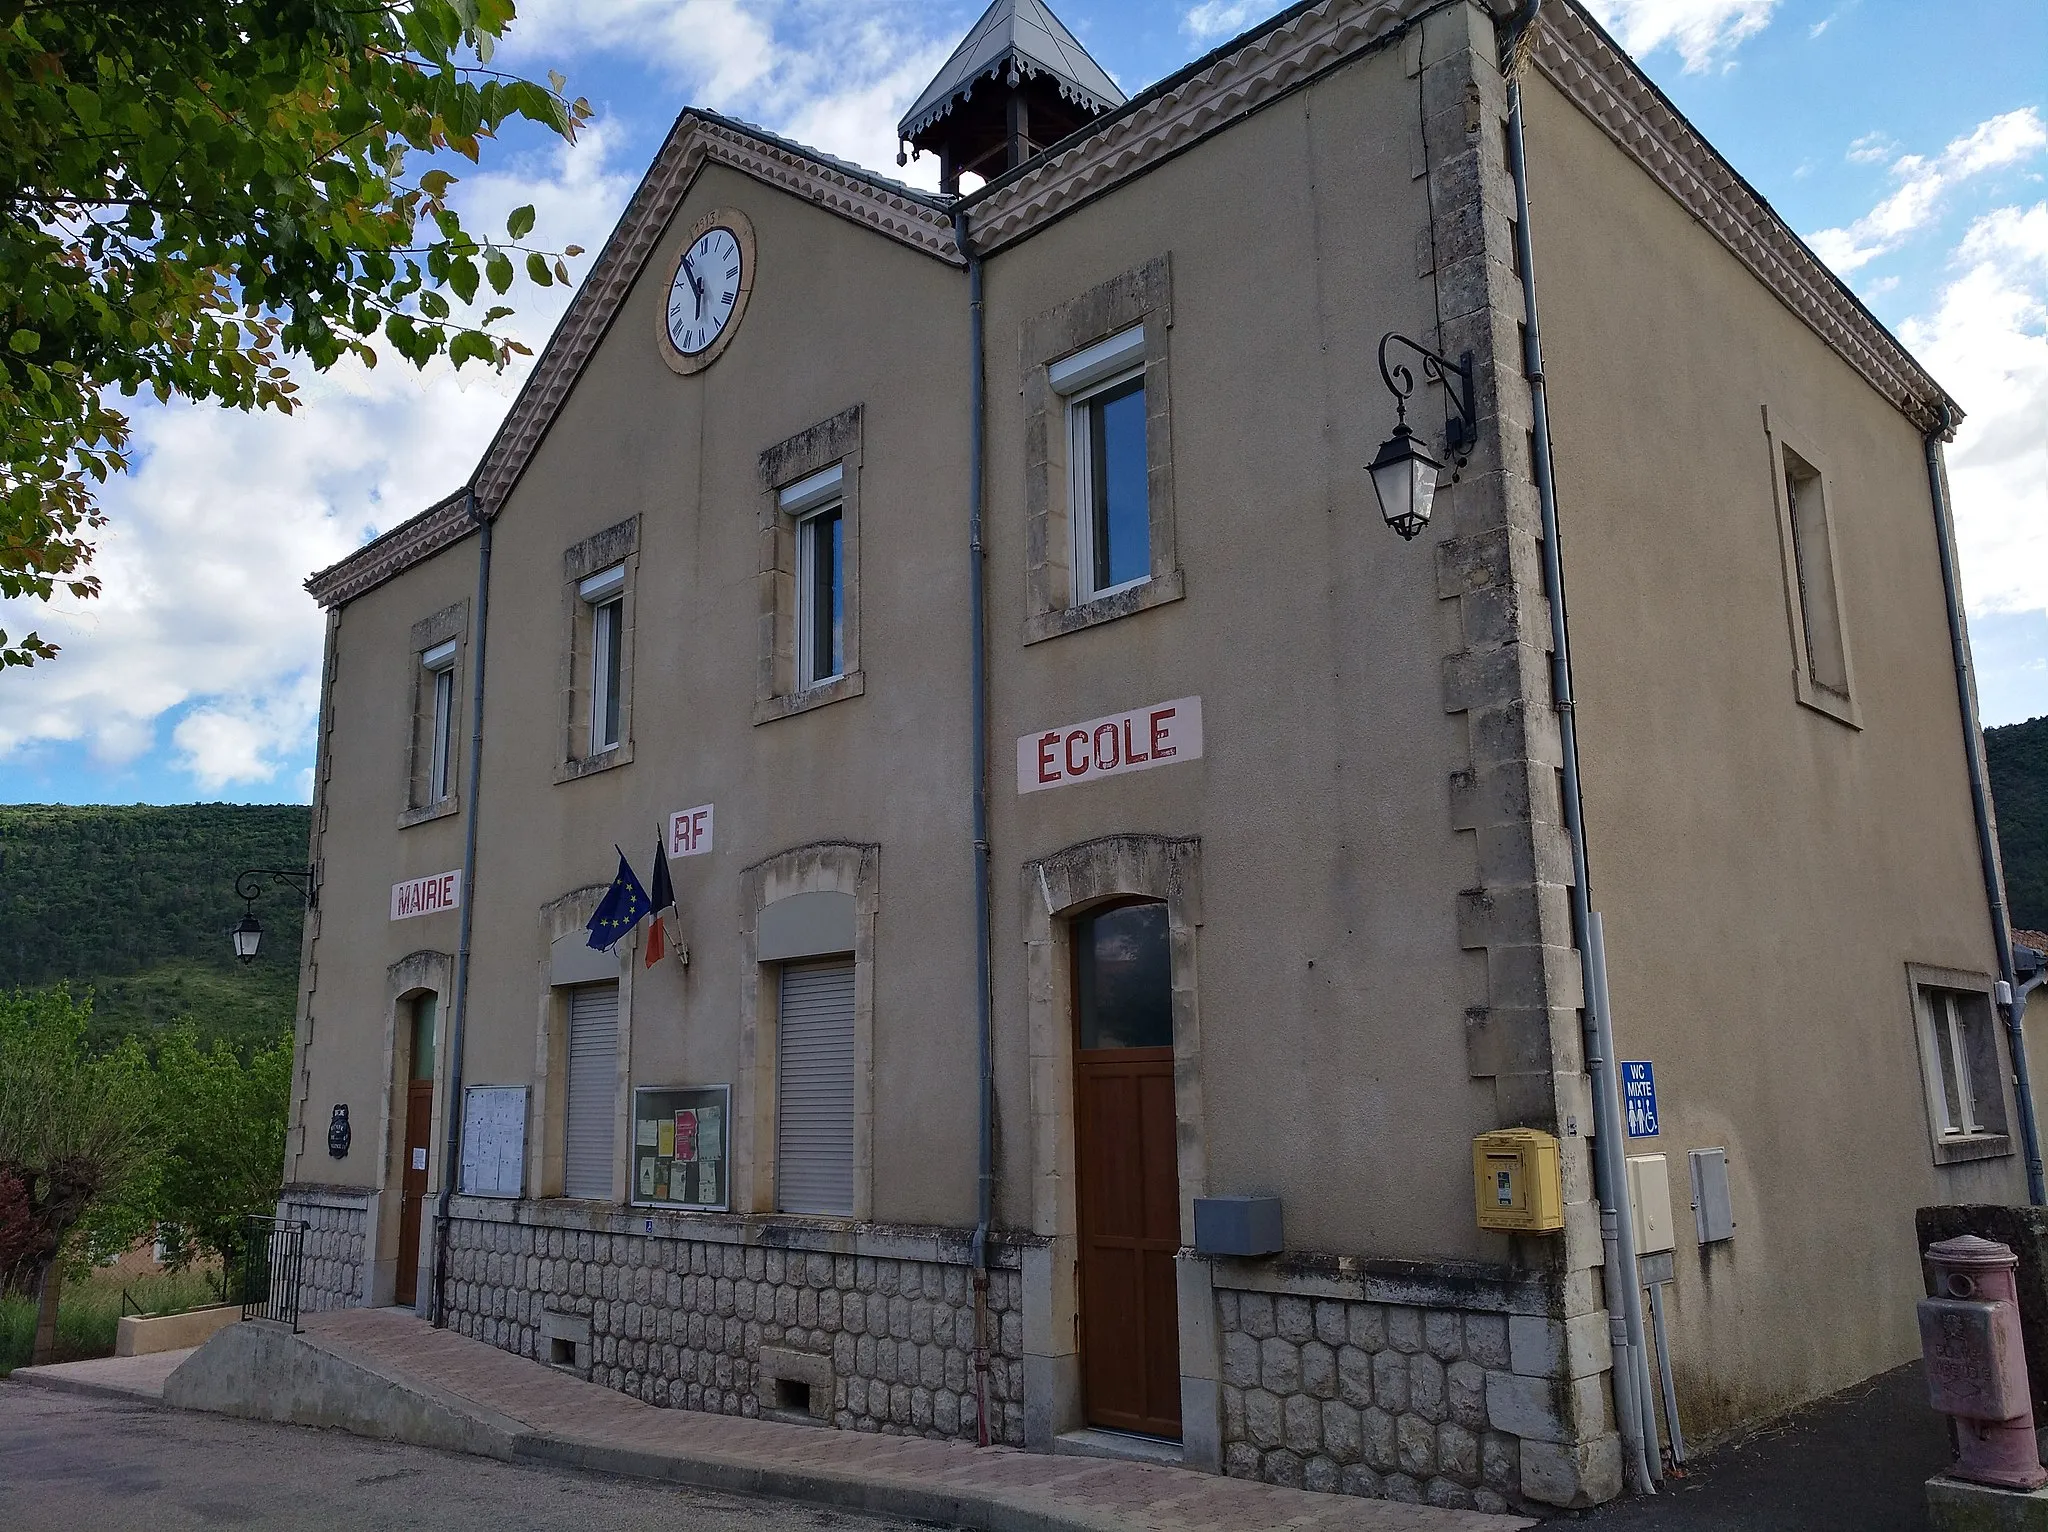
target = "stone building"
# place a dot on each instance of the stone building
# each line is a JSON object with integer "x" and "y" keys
{"x": 1118, "y": 882}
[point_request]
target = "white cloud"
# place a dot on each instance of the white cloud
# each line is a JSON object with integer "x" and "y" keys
{"x": 225, "y": 514}
{"x": 835, "y": 76}
{"x": 1214, "y": 20}
{"x": 1704, "y": 32}
{"x": 1924, "y": 183}
{"x": 1987, "y": 341}
{"x": 1873, "y": 148}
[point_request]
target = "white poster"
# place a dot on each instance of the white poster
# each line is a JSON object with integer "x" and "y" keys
{"x": 493, "y": 1140}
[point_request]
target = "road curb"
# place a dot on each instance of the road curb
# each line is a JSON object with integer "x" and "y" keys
{"x": 76, "y": 1386}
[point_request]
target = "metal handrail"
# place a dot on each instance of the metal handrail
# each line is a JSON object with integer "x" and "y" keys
{"x": 273, "y": 1264}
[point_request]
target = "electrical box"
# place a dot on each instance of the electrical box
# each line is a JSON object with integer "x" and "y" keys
{"x": 1649, "y": 1195}
{"x": 1238, "y": 1226}
{"x": 1516, "y": 1181}
{"x": 1712, "y": 1209}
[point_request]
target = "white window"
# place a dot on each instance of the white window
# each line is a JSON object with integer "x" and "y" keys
{"x": 1109, "y": 489}
{"x": 592, "y": 1104}
{"x": 817, "y": 504}
{"x": 1950, "y": 1038}
{"x": 814, "y": 1089}
{"x": 1960, "y": 1064}
{"x": 439, "y": 663}
{"x": 606, "y": 594}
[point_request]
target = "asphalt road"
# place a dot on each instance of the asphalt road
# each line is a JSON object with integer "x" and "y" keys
{"x": 76, "y": 1463}
{"x": 1855, "y": 1462}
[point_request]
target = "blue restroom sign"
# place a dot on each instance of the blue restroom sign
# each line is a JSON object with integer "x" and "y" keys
{"x": 1639, "y": 1099}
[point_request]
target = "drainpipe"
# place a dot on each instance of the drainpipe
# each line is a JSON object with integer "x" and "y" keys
{"x": 985, "y": 1179}
{"x": 451, "y": 1100}
{"x": 1632, "y": 1397}
{"x": 2012, "y": 1000}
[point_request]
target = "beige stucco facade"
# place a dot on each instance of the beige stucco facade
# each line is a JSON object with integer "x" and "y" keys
{"x": 1366, "y": 870}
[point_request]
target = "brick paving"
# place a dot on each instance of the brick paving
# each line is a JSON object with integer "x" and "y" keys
{"x": 583, "y": 1424}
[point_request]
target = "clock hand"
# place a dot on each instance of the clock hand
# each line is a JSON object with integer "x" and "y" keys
{"x": 696, "y": 286}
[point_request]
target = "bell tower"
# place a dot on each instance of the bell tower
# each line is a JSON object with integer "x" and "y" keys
{"x": 1018, "y": 82}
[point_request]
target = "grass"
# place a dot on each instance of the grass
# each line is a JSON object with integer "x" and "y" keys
{"x": 89, "y": 1314}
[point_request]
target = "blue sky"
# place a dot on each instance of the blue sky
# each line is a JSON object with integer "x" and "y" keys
{"x": 1907, "y": 142}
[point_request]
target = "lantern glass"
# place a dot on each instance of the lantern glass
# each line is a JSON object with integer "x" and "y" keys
{"x": 1404, "y": 477}
{"x": 248, "y": 937}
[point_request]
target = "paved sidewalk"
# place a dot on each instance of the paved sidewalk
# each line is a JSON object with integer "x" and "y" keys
{"x": 561, "y": 1420}
{"x": 140, "y": 1377}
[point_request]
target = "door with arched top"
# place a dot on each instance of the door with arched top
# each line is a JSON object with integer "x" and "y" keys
{"x": 1129, "y": 1189}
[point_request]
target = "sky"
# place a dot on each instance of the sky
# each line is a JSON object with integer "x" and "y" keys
{"x": 1907, "y": 143}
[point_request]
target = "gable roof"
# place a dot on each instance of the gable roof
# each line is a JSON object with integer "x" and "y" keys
{"x": 1020, "y": 37}
{"x": 1244, "y": 75}
{"x": 914, "y": 218}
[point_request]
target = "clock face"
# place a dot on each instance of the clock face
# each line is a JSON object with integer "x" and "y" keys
{"x": 703, "y": 301}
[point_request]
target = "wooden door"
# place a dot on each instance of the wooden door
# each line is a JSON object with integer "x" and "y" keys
{"x": 1129, "y": 1185}
{"x": 412, "y": 1186}
{"x": 1130, "y": 1230}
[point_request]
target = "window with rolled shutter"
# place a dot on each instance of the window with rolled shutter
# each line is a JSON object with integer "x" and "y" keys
{"x": 592, "y": 1097}
{"x": 814, "y": 1089}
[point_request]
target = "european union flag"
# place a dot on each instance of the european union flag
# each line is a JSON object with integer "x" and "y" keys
{"x": 622, "y": 908}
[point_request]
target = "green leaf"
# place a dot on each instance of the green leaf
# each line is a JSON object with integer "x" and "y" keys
{"x": 462, "y": 276}
{"x": 519, "y": 223}
{"x": 24, "y": 341}
{"x": 498, "y": 271}
{"x": 537, "y": 270}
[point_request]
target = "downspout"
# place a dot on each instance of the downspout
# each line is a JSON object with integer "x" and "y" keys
{"x": 2012, "y": 1000}
{"x": 451, "y": 1100}
{"x": 1632, "y": 1399}
{"x": 985, "y": 1178}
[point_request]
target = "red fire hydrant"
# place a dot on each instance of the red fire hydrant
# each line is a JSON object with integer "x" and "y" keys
{"x": 1976, "y": 1362}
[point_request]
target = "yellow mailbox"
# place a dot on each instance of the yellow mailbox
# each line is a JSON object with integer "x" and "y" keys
{"x": 1516, "y": 1182}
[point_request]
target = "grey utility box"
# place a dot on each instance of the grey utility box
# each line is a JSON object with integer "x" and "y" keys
{"x": 1237, "y": 1226}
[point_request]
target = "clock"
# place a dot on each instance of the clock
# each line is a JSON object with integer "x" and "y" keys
{"x": 707, "y": 291}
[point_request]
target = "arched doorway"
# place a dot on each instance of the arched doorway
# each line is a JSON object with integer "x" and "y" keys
{"x": 1128, "y": 1181}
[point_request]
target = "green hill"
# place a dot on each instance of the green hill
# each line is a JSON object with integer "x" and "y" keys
{"x": 2018, "y": 757}
{"x": 135, "y": 902}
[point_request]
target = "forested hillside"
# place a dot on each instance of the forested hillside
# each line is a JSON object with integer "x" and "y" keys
{"x": 135, "y": 902}
{"x": 2018, "y": 756}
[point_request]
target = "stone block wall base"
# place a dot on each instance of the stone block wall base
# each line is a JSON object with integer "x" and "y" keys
{"x": 1572, "y": 1474}
{"x": 1955, "y": 1505}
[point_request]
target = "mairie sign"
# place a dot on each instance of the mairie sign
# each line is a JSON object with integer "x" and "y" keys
{"x": 426, "y": 896}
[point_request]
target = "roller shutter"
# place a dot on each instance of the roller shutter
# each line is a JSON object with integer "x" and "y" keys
{"x": 593, "y": 1082}
{"x": 814, "y": 1089}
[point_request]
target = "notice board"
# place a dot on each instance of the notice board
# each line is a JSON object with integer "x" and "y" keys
{"x": 493, "y": 1140}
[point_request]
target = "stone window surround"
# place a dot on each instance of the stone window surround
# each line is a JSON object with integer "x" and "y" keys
{"x": 451, "y": 622}
{"x": 776, "y": 693}
{"x": 1996, "y": 1142}
{"x": 845, "y": 867}
{"x": 1142, "y": 295}
{"x": 546, "y": 1148}
{"x": 419, "y": 973}
{"x": 1057, "y": 888}
{"x": 1822, "y": 699}
{"x": 616, "y": 544}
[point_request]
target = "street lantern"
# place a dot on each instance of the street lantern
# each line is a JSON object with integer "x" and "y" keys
{"x": 248, "y": 936}
{"x": 1404, "y": 475}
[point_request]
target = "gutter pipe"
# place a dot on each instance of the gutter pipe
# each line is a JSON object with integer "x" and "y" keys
{"x": 451, "y": 1101}
{"x": 1633, "y": 1401}
{"x": 2012, "y": 998}
{"x": 985, "y": 1176}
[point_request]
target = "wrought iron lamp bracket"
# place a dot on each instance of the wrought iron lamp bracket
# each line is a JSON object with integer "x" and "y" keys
{"x": 249, "y": 885}
{"x": 1461, "y": 431}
